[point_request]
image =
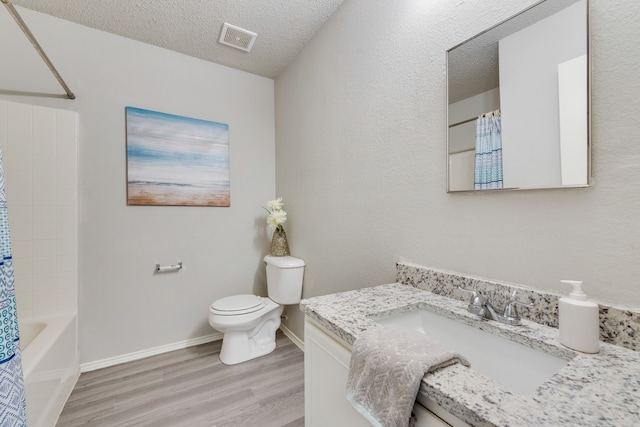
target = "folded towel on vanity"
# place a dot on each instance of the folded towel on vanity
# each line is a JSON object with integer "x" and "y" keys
{"x": 386, "y": 368}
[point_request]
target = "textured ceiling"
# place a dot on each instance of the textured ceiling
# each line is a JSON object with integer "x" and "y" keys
{"x": 192, "y": 27}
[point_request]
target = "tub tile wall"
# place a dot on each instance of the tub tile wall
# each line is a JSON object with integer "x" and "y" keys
{"x": 618, "y": 325}
{"x": 39, "y": 147}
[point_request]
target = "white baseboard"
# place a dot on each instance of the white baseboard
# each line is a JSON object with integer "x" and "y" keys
{"x": 129, "y": 357}
{"x": 297, "y": 341}
{"x": 111, "y": 361}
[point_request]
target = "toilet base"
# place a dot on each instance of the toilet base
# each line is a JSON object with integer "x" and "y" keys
{"x": 241, "y": 346}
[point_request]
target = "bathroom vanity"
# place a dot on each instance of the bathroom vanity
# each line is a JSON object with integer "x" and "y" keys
{"x": 326, "y": 370}
{"x": 588, "y": 389}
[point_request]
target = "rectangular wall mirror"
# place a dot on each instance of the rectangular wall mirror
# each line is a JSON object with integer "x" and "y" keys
{"x": 518, "y": 102}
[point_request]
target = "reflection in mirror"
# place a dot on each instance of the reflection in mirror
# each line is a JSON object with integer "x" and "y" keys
{"x": 518, "y": 102}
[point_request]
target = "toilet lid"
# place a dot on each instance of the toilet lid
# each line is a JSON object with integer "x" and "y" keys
{"x": 237, "y": 304}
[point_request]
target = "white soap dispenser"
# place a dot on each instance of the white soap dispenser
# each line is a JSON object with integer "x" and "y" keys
{"x": 578, "y": 319}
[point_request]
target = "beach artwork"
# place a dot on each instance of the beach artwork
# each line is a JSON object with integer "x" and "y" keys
{"x": 176, "y": 161}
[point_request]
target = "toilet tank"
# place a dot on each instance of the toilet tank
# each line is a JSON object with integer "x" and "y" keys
{"x": 284, "y": 278}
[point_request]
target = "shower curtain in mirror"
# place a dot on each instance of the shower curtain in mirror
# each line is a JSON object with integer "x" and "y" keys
{"x": 13, "y": 410}
{"x": 488, "y": 160}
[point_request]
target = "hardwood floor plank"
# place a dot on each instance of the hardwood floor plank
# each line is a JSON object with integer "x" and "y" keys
{"x": 108, "y": 388}
{"x": 191, "y": 387}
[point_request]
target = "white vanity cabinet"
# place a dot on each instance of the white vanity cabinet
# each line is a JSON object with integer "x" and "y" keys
{"x": 326, "y": 368}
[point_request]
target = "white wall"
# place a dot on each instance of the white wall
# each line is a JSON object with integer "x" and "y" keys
{"x": 39, "y": 151}
{"x": 573, "y": 106}
{"x": 123, "y": 306}
{"x": 529, "y": 97}
{"x": 361, "y": 159}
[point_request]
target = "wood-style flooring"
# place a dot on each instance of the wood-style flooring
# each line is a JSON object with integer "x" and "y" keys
{"x": 191, "y": 387}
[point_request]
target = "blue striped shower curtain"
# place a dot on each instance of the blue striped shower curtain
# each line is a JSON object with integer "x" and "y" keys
{"x": 13, "y": 411}
{"x": 488, "y": 160}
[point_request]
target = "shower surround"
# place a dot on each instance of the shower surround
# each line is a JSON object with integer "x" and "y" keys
{"x": 39, "y": 146}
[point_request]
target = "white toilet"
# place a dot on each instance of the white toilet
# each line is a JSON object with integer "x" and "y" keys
{"x": 249, "y": 322}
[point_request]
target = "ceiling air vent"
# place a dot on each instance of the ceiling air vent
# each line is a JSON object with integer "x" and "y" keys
{"x": 237, "y": 37}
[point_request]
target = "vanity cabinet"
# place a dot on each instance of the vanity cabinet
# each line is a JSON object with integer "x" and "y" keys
{"x": 326, "y": 368}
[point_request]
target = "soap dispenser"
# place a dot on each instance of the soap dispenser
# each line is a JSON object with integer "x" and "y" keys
{"x": 578, "y": 319}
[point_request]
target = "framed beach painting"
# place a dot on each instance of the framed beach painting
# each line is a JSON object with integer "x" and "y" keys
{"x": 176, "y": 161}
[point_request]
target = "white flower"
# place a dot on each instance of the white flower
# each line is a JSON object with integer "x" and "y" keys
{"x": 276, "y": 219}
{"x": 274, "y": 205}
{"x": 277, "y": 216}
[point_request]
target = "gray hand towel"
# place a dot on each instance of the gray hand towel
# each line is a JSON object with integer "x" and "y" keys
{"x": 386, "y": 368}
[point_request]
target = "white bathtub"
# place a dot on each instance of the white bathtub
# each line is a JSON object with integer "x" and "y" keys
{"x": 50, "y": 365}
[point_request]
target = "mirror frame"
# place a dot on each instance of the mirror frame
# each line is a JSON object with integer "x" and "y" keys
{"x": 588, "y": 112}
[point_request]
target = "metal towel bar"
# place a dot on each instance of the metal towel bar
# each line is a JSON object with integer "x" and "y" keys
{"x": 163, "y": 269}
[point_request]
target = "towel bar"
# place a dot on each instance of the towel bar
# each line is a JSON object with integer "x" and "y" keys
{"x": 175, "y": 267}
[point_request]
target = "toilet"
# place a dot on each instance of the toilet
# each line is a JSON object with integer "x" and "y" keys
{"x": 249, "y": 322}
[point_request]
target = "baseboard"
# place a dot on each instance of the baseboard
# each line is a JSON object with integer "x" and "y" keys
{"x": 129, "y": 357}
{"x": 293, "y": 337}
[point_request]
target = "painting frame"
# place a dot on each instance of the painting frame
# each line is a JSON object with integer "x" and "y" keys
{"x": 175, "y": 160}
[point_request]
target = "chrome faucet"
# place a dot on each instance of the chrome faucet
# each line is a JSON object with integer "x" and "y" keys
{"x": 480, "y": 305}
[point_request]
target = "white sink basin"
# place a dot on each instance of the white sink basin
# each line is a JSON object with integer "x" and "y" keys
{"x": 520, "y": 368}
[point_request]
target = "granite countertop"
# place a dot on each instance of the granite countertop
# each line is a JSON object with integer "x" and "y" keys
{"x": 600, "y": 389}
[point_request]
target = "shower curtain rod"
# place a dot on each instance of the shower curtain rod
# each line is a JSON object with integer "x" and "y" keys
{"x": 472, "y": 119}
{"x": 494, "y": 113}
{"x": 14, "y": 13}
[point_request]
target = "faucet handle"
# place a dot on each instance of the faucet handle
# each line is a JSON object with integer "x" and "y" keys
{"x": 511, "y": 311}
{"x": 476, "y": 297}
{"x": 476, "y": 303}
{"x": 468, "y": 290}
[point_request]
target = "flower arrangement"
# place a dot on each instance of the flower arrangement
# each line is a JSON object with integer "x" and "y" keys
{"x": 277, "y": 216}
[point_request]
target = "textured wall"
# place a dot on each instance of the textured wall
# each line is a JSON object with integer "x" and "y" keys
{"x": 123, "y": 306}
{"x": 360, "y": 159}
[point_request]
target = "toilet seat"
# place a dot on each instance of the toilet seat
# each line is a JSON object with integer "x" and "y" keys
{"x": 236, "y": 305}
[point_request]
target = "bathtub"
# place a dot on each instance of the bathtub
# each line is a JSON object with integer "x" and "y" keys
{"x": 50, "y": 366}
